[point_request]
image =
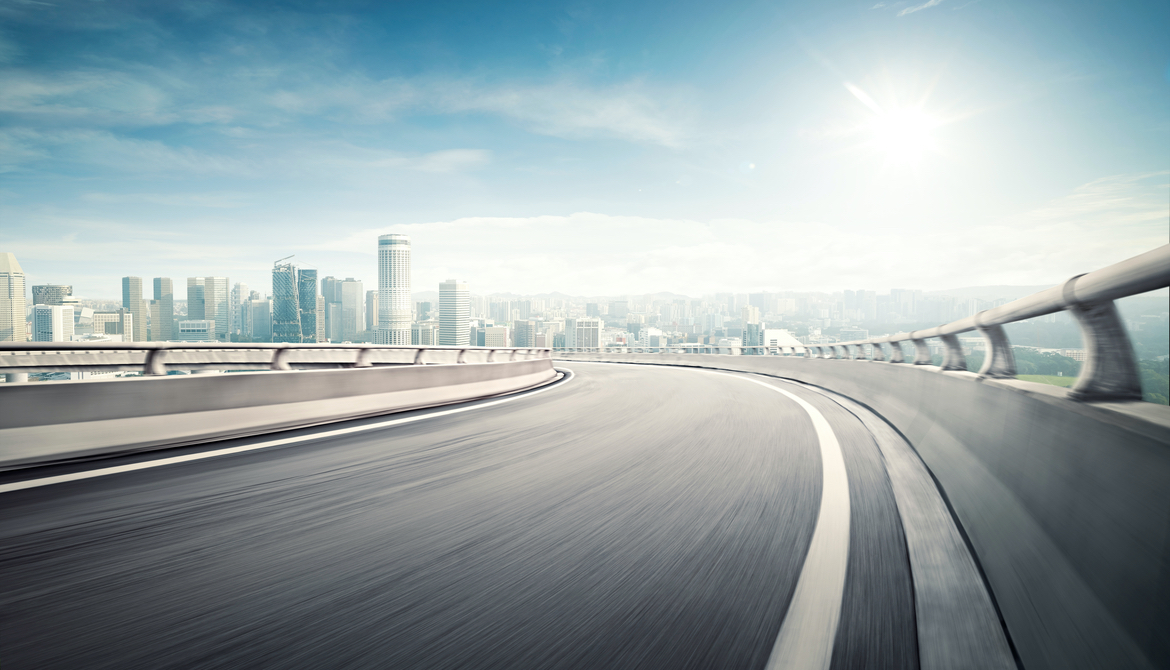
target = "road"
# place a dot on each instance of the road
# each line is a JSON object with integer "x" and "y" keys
{"x": 629, "y": 517}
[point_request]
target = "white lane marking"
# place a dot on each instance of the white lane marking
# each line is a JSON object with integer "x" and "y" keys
{"x": 89, "y": 474}
{"x": 809, "y": 629}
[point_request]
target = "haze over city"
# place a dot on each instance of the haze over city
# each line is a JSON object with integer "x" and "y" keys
{"x": 586, "y": 148}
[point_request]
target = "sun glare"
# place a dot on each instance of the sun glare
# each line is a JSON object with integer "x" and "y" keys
{"x": 902, "y": 135}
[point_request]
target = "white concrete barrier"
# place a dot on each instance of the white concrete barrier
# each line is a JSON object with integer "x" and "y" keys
{"x": 51, "y": 422}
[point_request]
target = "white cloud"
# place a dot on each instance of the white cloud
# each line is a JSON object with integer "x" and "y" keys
{"x": 915, "y": 8}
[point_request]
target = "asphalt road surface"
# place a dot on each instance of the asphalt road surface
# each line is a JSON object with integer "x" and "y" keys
{"x": 630, "y": 517}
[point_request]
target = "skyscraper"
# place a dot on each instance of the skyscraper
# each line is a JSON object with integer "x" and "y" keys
{"x": 393, "y": 290}
{"x": 371, "y": 311}
{"x": 195, "y": 311}
{"x": 331, "y": 291}
{"x": 217, "y": 304}
{"x": 52, "y": 323}
{"x": 524, "y": 333}
{"x": 307, "y": 298}
{"x": 454, "y": 313}
{"x": 353, "y": 313}
{"x": 236, "y": 309}
{"x": 164, "y": 295}
{"x": 286, "y": 306}
{"x": 51, "y": 294}
{"x": 133, "y": 302}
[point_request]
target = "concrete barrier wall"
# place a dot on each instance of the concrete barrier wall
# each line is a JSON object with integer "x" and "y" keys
{"x": 55, "y": 421}
{"x": 1066, "y": 504}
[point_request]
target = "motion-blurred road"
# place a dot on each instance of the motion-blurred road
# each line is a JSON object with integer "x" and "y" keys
{"x": 630, "y": 517}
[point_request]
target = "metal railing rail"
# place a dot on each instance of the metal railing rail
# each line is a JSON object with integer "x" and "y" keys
{"x": 155, "y": 358}
{"x": 1109, "y": 373}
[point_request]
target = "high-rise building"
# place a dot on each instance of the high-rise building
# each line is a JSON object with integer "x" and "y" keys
{"x": 424, "y": 310}
{"x": 331, "y": 291}
{"x": 51, "y": 294}
{"x": 13, "y": 326}
{"x": 454, "y": 313}
{"x": 236, "y": 311}
{"x": 592, "y": 309}
{"x": 319, "y": 318}
{"x": 588, "y": 332}
{"x": 307, "y": 297}
{"x": 353, "y": 309}
{"x": 500, "y": 311}
{"x": 495, "y": 336}
{"x": 162, "y": 329}
{"x": 217, "y": 304}
{"x": 195, "y": 304}
{"x": 52, "y": 323}
{"x": 524, "y": 333}
{"x": 132, "y": 300}
{"x": 393, "y": 290}
{"x": 260, "y": 320}
{"x": 619, "y": 309}
{"x": 120, "y": 322}
{"x": 333, "y": 321}
{"x": 371, "y": 312}
{"x": 286, "y": 304}
{"x": 423, "y": 334}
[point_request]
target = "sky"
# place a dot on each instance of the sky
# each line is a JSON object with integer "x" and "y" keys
{"x": 588, "y": 148}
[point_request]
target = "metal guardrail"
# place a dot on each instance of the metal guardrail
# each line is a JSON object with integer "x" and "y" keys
{"x": 156, "y": 358}
{"x": 1110, "y": 371}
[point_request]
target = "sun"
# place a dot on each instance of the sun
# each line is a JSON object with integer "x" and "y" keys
{"x": 903, "y": 135}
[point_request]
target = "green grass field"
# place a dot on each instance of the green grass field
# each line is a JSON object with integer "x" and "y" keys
{"x": 1049, "y": 379}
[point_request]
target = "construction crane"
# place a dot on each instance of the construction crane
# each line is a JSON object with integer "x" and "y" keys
{"x": 283, "y": 259}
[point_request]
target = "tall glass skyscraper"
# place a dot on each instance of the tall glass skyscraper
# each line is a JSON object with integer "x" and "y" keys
{"x": 12, "y": 300}
{"x": 454, "y": 313}
{"x": 164, "y": 295}
{"x": 286, "y": 307}
{"x": 394, "y": 306}
{"x": 307, "y": 298}
{"x": 217, "y": 304}
{"x": 132, "y": 301}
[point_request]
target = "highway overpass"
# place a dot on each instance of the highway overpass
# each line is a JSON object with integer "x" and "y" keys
{"x": 355, "y": 507}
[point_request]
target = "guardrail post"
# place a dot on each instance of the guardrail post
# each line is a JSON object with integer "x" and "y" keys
{"x": 954, "y": 360}
{"x": 513, "y": 356}
{"x": 896, "y": 353}
{"x": 360, "y": 361}
{"x": 278, "y": 362}
{"x": 491, "y": 356}
{"x": 462, "y": 356}
{"x": 15, "y": 377}
{"x": 418, "y": 357}
{"x": 154, "y": 363}
{"x": 879, "y": 352}
{"x": 921, "y": 352}
{"x": 999, "y": 362}
{"x": 1110, "y": 370}
{"x": 859, "y": 353}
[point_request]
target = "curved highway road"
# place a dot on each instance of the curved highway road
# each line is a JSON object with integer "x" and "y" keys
{"x": 630, "y": 517}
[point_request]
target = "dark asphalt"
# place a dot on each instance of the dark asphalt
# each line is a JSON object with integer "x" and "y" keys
{"x": 633, "y": 517}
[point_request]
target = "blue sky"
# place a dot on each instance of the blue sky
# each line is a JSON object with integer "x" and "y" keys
{"x": 589, "y": 148}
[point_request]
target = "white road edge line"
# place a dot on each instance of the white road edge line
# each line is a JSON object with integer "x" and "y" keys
{"x": 806, "y": 637}
{"x": 102, "y": 472}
